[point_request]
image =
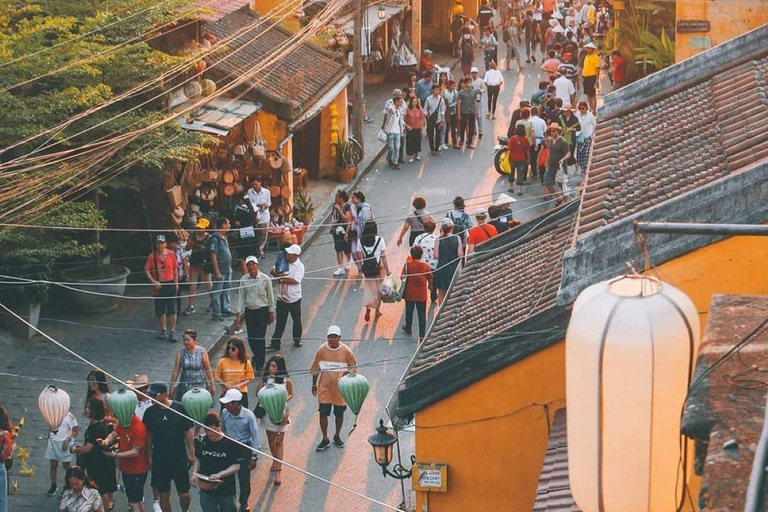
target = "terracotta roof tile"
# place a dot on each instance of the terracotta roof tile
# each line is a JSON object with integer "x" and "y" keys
{"x": 678, "y": 143}
{"x": 212, "y": 10}
{"x": 554, "y": 491}
{"x": 298, "y": 79}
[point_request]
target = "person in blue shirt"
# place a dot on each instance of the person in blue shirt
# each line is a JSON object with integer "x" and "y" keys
{"x": 424, "y": 87}
{"x": 240, "y": 424}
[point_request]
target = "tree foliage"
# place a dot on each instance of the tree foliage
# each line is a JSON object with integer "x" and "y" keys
{"x": 643, "y": 36}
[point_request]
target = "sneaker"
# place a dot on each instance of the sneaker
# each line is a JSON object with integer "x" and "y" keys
{"x": 323, "y": 445}
{"x": 272, "y": 347}
{"x": 52, "y": 490}
{"x": 296, "y": 343}
{"x": 156, "y": 507}
{"x": 407, "y": 329}
{"x": 339, "y": 271}
{"x": 190, "y": 309}
{"x": 443, "y": 147}
{"x": 172, "y": 337}
{"x": 338, "y": 442}
{"x": 487, "y": 116}
{"x": 217, "y": 318}
{"x": 162, "y": 335}
{"x": 228, "y": 312}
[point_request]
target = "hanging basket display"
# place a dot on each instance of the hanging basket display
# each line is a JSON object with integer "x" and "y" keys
{"x": 273, "y": 399}
{"x": 354, "y": 388}
{"x": 275, "y": 160}
{"x": 54, "y": 405}
{"x": 196, "y": 402}
{"x": 193, "y": 90}
{"x": 123, "y": 404}
{"x": 209, "y": 87}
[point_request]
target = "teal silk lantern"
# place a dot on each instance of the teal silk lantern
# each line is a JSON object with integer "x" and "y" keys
{"x": 196, "y": 402}
{"x": 354, "y": 388}
{"x": 272, "y": 398}
{"x": 123, "y": 404}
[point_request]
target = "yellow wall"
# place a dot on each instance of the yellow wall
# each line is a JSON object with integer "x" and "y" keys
{"x": 327, "y": 165}
{"x": 264, "y": 6}
{"x": 494, "y": 464}
{"x": 728, "y": 19}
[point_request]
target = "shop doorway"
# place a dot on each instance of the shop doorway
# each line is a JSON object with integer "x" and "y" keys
{"x": 306, "y": 147}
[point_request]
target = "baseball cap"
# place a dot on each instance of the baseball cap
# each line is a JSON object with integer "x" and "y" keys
{"x": 157, "y": 388}
{"x": 232, "y": 395}
{"x": 447, "y": 222}
{"x": 250, "y": 259}
{"x": 474, "y": 70}
{"x": 334, "y": 330}
{"x": 160, "y": 238}
{"x": 293, "y": 249}
{"x": 481, "y": 212}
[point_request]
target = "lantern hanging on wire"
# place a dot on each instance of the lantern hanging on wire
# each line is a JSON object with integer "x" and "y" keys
{"x": 630, "y": 349}
{"x": 54, "y": 405}
{"x": 196, "y": 402}
{"x": 354, "y": 388}
{"x": 123, "y": 404}
{"x": 272, "y": 397}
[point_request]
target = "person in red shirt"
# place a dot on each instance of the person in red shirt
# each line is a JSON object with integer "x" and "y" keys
{"x": 131, "y": 458}
{"x": 618, "y": 69}
{"x": 162, "y": 271}
{"x": 481, "y": 232}
{"x": 425, "y": 63}
{"x": 519, "y": 154}
{"x": 418, "y": 281}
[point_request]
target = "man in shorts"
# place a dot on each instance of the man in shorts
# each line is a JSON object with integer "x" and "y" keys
{"x": 170, "y": 447}
{"x": 332, "y": 360}
{"x": 590, "y": 72}
{"x": 131, "y": 458}
{"x": 162, "y": 271}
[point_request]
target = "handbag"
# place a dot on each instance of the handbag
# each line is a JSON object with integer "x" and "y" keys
{"x": 382, "y": 135}
{"x": 281, "y": 263}
{"x": 259, "y": 411}
{"x": 403, "y": 283}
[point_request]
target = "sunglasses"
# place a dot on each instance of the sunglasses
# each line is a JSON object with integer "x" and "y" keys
{"x": 231, "y": 347}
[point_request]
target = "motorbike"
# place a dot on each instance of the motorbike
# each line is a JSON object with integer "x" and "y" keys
{"x": 501, "y": 157}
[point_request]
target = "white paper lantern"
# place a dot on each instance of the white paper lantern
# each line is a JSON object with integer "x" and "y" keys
{"x": 54, "y": 405}
{"x": 630, "y": 350}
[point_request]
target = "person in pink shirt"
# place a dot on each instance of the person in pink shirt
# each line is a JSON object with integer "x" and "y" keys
{"x": 551, "y": 65}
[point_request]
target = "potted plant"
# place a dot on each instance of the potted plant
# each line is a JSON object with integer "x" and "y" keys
{"x": 346, "y": 166}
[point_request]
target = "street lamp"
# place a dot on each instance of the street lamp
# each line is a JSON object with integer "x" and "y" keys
{"x": 381, "y": 13}
{"x": 382, "y": 442}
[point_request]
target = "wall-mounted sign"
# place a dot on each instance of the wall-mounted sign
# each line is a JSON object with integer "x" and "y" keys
{"x": 692, "y": 26}
{"x": 430, "y": 477}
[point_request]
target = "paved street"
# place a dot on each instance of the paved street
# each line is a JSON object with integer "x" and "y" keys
{"x": 123, "y": 342}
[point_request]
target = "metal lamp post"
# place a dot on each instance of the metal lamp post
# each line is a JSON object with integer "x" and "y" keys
{"x": 382, "y": 442}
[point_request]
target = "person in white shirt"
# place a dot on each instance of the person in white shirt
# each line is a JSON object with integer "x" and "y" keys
{"x": 588, "y": 123}
{"x": 57, "y": 450}
{"x": 564, "y": 88}
{"x": 288, "y": 297}
{"x": 481, "y": 90}
{"x": 434, "y": 109}
{"x": 260, "y": 200}
{"x": 493, "y": 80}
{"x": 393, "y": 125}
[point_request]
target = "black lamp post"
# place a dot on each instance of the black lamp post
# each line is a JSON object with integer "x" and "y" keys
{"x": 382, "y": 442}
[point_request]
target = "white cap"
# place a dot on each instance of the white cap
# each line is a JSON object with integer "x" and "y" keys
{"x": 333, "y": 330}
{"x": 590, "y": 45}
{"x": 250, "y": 259}
{"x": 504, "y": 199}
{"x": 232, "y": 395}
{"x": 559, "y": 29}
{"x": 293, "y": 249}
{"x": 447, "y": 222}
{"x": 474, "y": 70}
{"x": 481, "y": 212}
{"x": 557, "y": 15}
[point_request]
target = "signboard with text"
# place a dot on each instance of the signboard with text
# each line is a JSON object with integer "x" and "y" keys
{"x": 692, "y": 26}
{"x": 430, "y": 477}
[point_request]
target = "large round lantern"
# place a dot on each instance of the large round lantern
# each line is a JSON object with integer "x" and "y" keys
{"x": 54, "y": 405}
{"x": 123, "y": 404}
{"x": 196, "y": 402}
{"x": 354, "y": 388}
{"x": 630, "y": 350}
{"x": 273, "y": 398}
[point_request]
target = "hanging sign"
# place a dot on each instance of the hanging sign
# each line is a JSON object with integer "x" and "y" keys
{"x": 430, "y": 477}
{"x": 692, "y": 26}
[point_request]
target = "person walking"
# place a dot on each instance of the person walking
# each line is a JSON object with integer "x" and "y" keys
{"x": 78, "y": 495}
{"x": 170, "y": 446}
{"x": 478, "y": 86}
{"x": 6, "y": 455}
{"x": 570, "y": 125}
{"x": 99, "y": 468}
{"x": 449, "y": 250}
{"x": 490, "y": 47}
{"x": 276, "y": 373}
{"x": 261, "y": 201}
{"x": 219, "y": 459}
{"x": 374, "y": 260}
{"x": 414, "y": 221}
{"x": 342, "y": 225}
{"x": 221, "y": 262}
{"x": 493, "y": 80}
{"x": 191, "y": 368}
{"x": 332, "y": 360}
{"x": 461, "y": 220}
{"x": 362, "y": 212}
{"x": 393, "y": 126}
{"x": 131, "y": 458}
{"x": 451, "y": 97}
{"x": 587, "y": 124}
{"x": 530, "y": 30}
{"x": 426, "y": 241}
{"x": 161, "y": 270}
{"x": 417, "y": 285}
{"x": 255, "y": 304}
{"x": 414, "y": 125}
{"x": 289, "y": 297}
{"x": 199, "y": 263}
{"x": 234, "y": 370}
{"x": 558, "y": 153}
{"x": 480, "y": 233}
{"x": 239, "y": 423}
{"x": 564, "y": 88}
{"x": 57, "y": 450}
{"x": 434, "y": 109}
{"x": 467, "y": 52}
{"x": 467, "y": 111}
{"x": 182, "y": 267}
{"x": 519, "y": 152}
{"x": 511, "y": 37}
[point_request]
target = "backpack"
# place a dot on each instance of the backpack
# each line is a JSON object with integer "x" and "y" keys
{"x": 462, "y": 224}
{"x": 371, "y": 264}
{"x": 201, "y": 256}
{"x": 467, "y": 47}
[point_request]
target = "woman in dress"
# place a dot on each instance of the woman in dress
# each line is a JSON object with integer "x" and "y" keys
{"x": 234, "y": 369}
{"x": 373, "y": 249}
{"x": 276, "y": 372}
{"x": 362, "y": 212}
{"x": 414, "y": 221}
{"x": 192, "y": 368}
{"x": 448, "y": 251}
{"x": 342, "y": 222}
{"x": 78, "y": 496}
{"x": 414, "y": 124}
{"x": 99, "y": 468}
{"x": 588, "y": 123}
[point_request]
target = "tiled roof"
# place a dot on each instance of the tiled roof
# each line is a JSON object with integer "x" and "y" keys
{"x": 676, "y": 142}
{"x": 212, "y": 10}
{"x": 554, "y": 491}
{"x": 300, "y": 77}
{"x": 510, "y": 278}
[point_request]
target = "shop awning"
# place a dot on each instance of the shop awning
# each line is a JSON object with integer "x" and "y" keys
{"x": 372, "y": 21}
{"x": 219, "y": 116}
{"x": 325, "y": 100}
